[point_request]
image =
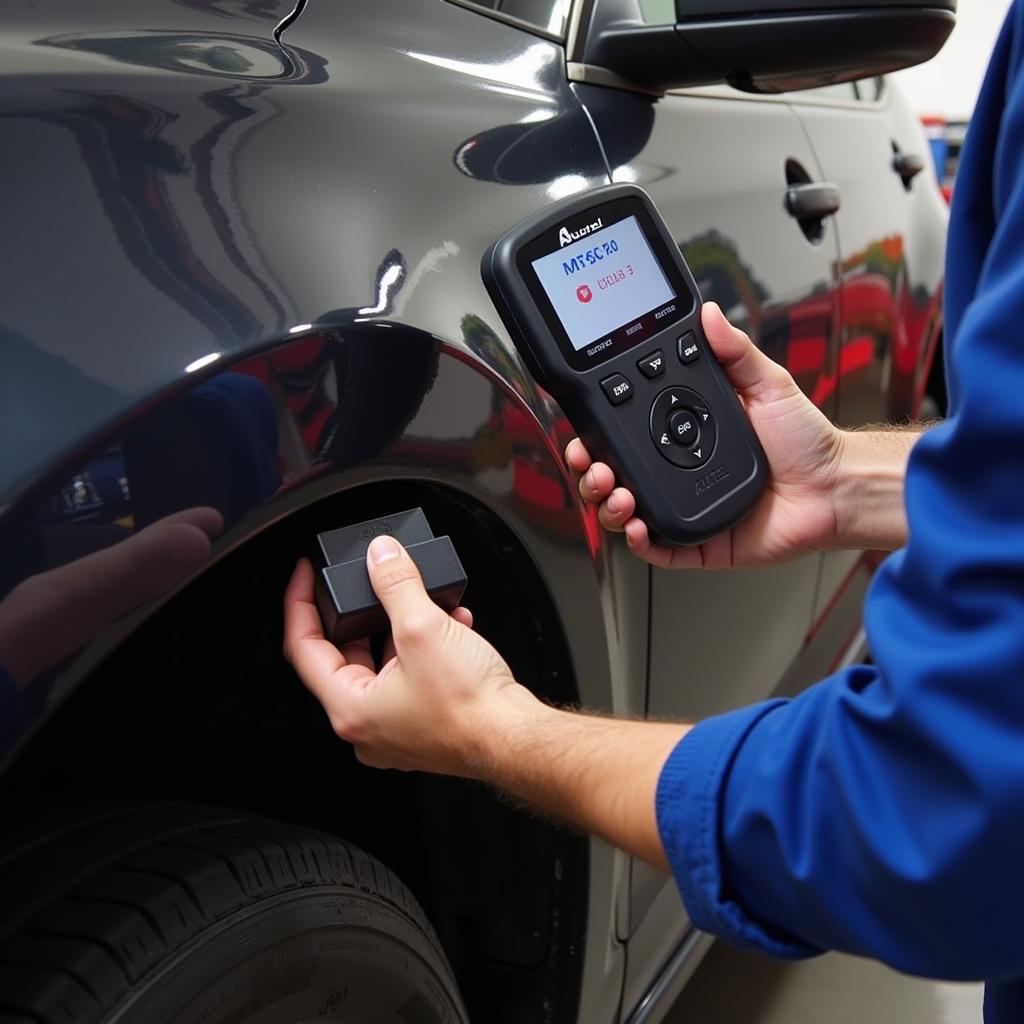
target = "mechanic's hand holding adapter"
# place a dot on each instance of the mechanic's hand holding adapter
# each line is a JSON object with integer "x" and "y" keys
{"x": 880, "y": 812}
{"x": 445, "y": 701}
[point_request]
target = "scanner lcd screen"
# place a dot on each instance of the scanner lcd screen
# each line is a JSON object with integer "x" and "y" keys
{"x": 607, "y": 282}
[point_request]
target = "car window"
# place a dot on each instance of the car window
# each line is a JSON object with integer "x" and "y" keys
{"x": 871, "y": 88}
{"x": 549, "y": 16}
{"x": 865, "y": 91}
{"x": 658, "y": 12}
{"x": 841, "y": 91}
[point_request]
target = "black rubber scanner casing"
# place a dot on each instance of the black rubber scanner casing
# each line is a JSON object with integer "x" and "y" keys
{"x": 681, "y": 506}
{"x": 348, "y": 606}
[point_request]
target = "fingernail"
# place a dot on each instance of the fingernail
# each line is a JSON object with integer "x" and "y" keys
{"x": 590, "y": 478}
{"x": 613, "y": 503}
{"x": 382, "y": 549}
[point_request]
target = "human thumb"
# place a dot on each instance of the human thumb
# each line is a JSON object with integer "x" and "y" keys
{"x": 749, "y": 370}
{"x": 397, "y": 583}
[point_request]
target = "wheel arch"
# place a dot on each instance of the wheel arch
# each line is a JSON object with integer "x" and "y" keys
{"x": 505, "y": 890}
{"x": 479, "y": 448}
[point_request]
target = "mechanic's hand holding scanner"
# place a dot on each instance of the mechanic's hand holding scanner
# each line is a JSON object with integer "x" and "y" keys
{"x": 827, "y": 488}
{"x": 443, "y": 700}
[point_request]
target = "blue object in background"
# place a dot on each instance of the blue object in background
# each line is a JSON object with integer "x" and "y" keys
{"x": 940, "y": 154}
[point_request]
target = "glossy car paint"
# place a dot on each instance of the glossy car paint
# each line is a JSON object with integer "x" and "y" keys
{"x": 244, "y": 272}
{"x": 892, "y": 247}
{"x": 892, "y": 235}
{"x": 752, "y": 258}
{"x": 209, "y": 194}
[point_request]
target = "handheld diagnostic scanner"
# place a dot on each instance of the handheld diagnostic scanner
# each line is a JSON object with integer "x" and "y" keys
{"x": 606, "y": 314}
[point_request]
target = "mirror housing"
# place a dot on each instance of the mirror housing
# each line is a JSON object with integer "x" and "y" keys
{"x": 766, "y": 46}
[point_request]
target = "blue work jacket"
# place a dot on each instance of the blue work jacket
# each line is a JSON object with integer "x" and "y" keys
{"x": 881, "y": 812}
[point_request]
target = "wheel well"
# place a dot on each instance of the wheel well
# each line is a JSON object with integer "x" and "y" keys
{"x": 199, "y": 705}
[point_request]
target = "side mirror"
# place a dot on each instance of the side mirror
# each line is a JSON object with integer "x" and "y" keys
{"x": 765, "y": 45}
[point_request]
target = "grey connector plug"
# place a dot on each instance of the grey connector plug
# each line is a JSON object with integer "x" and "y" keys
{"x": 348, "y": 606}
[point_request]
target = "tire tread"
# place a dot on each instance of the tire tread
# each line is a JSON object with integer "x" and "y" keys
{"x": 128, "y": 899}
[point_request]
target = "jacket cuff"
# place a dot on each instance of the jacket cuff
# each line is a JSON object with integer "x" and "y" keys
{"x": 688, "y": 805}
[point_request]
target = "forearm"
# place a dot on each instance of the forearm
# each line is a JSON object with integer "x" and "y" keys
{"x": 868, "y": 499}
{"x": 600, "y": 774}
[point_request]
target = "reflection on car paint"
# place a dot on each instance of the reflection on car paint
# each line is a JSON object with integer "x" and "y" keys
{"x": 889, "y": 333}
{"x": 241, "y": 438}
{"x": 242, "y": 272}
{"x": 236, "y": 56}
{"x": 191, "y": 183}
{"x": 528, "y": 71}
{"x": 525, "y": 152}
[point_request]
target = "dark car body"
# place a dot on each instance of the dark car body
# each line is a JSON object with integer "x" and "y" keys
{"x": 241, "y": 269}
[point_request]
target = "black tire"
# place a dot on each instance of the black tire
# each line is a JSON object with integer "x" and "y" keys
{"x": 190, "y": 915}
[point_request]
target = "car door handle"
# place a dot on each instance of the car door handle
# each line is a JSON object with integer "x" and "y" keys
{"x": 812, "y": 201}
{"x": 908, "y": 166}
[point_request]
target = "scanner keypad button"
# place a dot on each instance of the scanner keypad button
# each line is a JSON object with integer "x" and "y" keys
{"x": 683, "y": 428}
{"x": 652, "y": 365}
{"x": 617, "y": 388}
{"x": 687, "y": 347}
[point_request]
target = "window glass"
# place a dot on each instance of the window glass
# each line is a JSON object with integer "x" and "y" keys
{"x": 841, "y": 91}
{"x": 871, "y": 88}
{"x": 867, "y": 90}
{"x": 658, "y": 12}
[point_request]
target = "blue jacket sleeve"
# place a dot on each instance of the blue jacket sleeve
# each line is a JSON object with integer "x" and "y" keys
{"x": 882, "y": 811}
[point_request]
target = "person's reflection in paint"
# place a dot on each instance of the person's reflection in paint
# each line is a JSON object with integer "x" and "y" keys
{"x": 216, "y": 446}
{"x": 49, "y": 616}
{"x": 191, "y": 468}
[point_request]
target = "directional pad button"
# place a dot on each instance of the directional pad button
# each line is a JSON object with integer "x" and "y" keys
{"x": 683, "y": 428}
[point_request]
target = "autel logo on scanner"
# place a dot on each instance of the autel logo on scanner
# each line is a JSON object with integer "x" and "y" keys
{"x": 717, "y": 475}
{"x": 565, "y": 236}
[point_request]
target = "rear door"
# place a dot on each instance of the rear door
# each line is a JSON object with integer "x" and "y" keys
{"x": 716, "y": 164}
{"x": 891, "y": 238}
{"x": 855, "y": 144}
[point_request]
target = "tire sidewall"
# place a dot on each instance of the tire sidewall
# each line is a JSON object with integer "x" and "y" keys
{"x": 314, "y": 955}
